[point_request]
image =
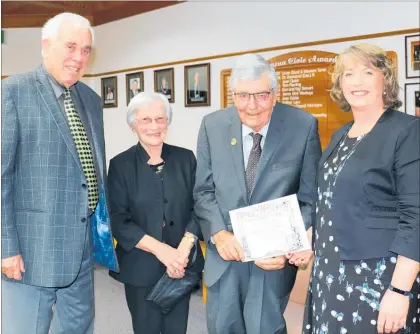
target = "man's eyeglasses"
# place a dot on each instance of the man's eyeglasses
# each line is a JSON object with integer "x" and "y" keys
{"x": 148, "y": 120}
{"x": 259, "y": 97}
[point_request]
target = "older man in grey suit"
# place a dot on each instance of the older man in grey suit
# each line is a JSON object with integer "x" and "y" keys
{"x": 54, "y": 215}
{"x": 255, "y": 151}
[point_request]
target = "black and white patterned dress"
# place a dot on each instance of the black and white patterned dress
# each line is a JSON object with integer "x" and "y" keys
{"x": 344, "y": 296}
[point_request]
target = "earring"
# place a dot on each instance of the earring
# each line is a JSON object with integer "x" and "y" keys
{"x": 384, "y": 93}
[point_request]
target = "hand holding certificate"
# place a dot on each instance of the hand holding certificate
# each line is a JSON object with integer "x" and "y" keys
{"x": 270, "y": 228}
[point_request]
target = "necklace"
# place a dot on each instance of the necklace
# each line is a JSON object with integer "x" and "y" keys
{"x": 349, "y": 154}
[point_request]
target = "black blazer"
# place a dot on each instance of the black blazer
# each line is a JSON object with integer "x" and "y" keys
{"x": 201, "y": 93}
{"x": 132, "y": 94}
{"x": 375, "y": 204}
{"x": 138, "y": 202}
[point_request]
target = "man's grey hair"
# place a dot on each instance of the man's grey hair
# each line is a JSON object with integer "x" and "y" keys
{"x": 252, "y": 66}
{"x": 53, "y": 25}
{"x": 141, "y": 100}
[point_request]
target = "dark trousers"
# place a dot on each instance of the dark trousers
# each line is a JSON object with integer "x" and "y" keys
{"x": 147, "y": 318}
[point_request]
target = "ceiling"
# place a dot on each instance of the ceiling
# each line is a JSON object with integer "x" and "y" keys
{"x": 29, "y": 14}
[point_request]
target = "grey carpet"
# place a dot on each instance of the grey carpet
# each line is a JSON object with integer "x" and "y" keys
{"x": 113, "y": 317}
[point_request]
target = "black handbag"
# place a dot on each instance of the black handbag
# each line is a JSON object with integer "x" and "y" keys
{"x": 169, "y": 291}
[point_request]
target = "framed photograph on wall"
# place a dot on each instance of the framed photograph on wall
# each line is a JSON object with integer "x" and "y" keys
{"x": 412, "y": 99}
{"x": 134, "y": 83}
{"x": 412, "y": 56}
{"x": 197, "y": 85}
{"x": 109, "y": 92}
{"x": 164, "y": 83}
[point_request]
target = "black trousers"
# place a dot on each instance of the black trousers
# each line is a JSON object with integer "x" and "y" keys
{"x": 147, "y": 318}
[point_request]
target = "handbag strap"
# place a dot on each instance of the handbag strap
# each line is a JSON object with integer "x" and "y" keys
{"x": 194, "y": 256}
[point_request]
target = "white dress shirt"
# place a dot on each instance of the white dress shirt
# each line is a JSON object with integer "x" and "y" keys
{"x": 247, "y": 140}
{"x": 247, "y": 143}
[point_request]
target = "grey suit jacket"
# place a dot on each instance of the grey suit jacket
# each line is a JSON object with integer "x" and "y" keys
{"x": 287, "y": 166}
{"x": 44, "y": 190}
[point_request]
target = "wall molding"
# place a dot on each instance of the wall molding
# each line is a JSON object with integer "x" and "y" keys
{"x": 274, "y": 48}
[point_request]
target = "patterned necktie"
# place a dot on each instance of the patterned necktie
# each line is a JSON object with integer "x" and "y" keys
{"x": 83, "y": 149}
{"x": 254, "y": 158}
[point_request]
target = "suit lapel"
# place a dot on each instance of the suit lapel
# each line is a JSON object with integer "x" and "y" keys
{"x": 53, "y": 106}
{"x": 272, "y": 140}
{"x": 94, "y": 126}
{"x": 235, "y": 142}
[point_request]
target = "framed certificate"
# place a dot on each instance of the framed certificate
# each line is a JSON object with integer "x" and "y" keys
{"x": 270, "y": 228}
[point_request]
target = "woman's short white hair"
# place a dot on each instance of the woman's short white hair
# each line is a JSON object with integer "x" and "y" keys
{"x": 252, "y": 66}
{"x": 141, "y": 100}
{"x": 53, "y": 25}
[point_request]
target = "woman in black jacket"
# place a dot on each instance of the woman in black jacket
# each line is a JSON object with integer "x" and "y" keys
{"x": 150, "y": 190}
{"x": 366, "y": 219}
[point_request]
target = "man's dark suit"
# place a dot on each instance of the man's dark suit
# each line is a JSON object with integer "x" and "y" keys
{"x": 132, "y": 93}
{"x": 139, "y": 199}
{"x": 287, "y": 166}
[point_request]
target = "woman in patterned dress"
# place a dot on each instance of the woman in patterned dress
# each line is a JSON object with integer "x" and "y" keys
{"x": 366, "y": 221}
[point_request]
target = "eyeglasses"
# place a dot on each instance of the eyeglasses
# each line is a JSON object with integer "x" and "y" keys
{"x": 148, "y": 120}
{"x": 259, "y": 97}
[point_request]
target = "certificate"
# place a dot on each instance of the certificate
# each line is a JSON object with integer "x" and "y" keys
{"x": 270, "y": 228}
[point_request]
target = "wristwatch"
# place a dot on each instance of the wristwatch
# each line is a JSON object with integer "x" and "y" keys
{"x": 401, "y": 292}
{"x": 190, "y": 237}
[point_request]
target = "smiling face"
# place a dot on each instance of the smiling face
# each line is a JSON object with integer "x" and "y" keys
{"x": 252, "y": 113}
{"x": 362, "y": 85}
{"x": 66, "y": 55}
{"x": 151, "y": 124}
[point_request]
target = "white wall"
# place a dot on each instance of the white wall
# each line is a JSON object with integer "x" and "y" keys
{"x": 22, "y": 51}
{"x": 200, "y": 29}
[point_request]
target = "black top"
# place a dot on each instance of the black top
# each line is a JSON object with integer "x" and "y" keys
{"x": 158, "y": 168}
{"x": 140, "y": 199}
{"x": 344, "y": 295}
{"x": 376, "y": 198}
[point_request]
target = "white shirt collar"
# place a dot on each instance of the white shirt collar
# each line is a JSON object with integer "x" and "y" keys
{"x": 246, "y": 130}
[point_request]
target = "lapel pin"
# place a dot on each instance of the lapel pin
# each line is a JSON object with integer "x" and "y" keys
{"x": 233, "y": 142}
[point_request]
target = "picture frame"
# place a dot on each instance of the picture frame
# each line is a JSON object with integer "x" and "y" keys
{"x": 412, "y": 98}
{"x": 134, "y": 83}
{"x": 109, "y": 92}
{"x": 412, "y": 56}
{"x": 164, "y": 83}
{"x": 197, "y": 85}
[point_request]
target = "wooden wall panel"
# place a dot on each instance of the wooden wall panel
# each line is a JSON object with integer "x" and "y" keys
{"x": 304, "y": 81}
